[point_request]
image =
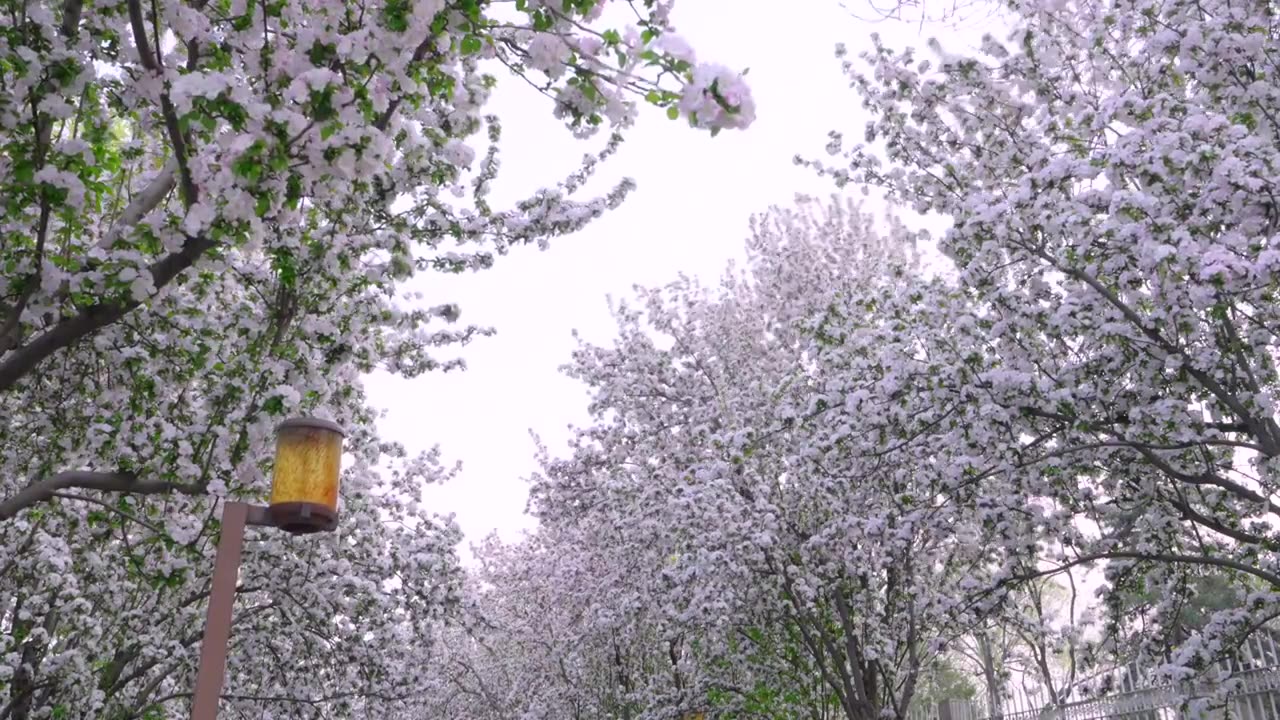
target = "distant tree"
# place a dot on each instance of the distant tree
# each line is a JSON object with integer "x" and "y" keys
{"x": 941, "y": 681}
{"x": 771, "y": 451}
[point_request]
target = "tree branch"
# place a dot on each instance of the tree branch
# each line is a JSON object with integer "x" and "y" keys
{"x": 418, "y": 54}
{"x": 144, "y": 202}
{"x": 1191, "y": 514}
{"x": 95, "y": 501}
{"x": 1263, "y": 428}
{"x": 95, "y": 317}
{"x": 151, "y": 63}
{"x": 1147, "y": 451}
{"x": 1122, "y": 419}
{"x": 22, "y": 360}
{"x": 1170, "y": 558}
{"x": 43, "y": 490}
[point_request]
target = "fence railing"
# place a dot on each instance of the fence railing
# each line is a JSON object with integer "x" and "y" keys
{"x": 1255, "y": 678}
{"x": 1255, "y": 696}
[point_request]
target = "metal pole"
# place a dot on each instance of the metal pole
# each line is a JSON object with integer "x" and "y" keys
{"x": 217, "y": 624}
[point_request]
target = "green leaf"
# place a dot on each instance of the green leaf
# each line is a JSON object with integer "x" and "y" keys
{"x": 471, "y": 45}
{"x": 673, "y": 112}
{"x": 395, "y": 15}
{"x": 249, "y": 165}
{"x": 25, "y": 171}
{"x": 1246, "y": 119}
{"x": 293, "y": 191}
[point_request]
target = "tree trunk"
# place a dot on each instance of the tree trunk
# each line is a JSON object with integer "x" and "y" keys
{"x": 991, "y": 677}
{"x": 24, "y": 684}
{"x": 857, "y": 710}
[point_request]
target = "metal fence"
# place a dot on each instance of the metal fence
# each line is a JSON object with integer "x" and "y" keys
{"x": 1133, "y": 695}
{"x": 1259, "y": 699}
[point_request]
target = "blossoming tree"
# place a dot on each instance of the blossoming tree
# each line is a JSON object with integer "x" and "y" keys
{"x": 554, "y": 628}
{"x": 209, "y": 206}
{"x": 1111, "y": 174}
{"x": 771, "y": 461}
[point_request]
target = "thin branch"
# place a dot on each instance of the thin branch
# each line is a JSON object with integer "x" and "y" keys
{"x": 144, "y": 202}
{"x": 419, "y": 53}
{"x": 1212, "y": 523}
{"x": 128, "y": 516}
{"x": 1270, "y": 577}
{"x": 1120, "y": 420}
{"x": 151, "y": 63}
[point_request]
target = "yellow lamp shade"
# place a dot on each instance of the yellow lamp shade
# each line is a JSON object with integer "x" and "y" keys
{"x": 304, "y": 487}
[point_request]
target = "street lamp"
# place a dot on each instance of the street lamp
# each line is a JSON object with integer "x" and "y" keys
{"x": 304, "y": 499}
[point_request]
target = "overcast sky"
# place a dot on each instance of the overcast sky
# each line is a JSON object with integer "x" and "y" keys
{"x": 689, "y": 215}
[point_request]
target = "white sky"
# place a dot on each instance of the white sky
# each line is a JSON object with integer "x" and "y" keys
{"x": 689, "y": 215}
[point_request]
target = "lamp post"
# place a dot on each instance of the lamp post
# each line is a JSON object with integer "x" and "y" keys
{"x": 304, "y": 499}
